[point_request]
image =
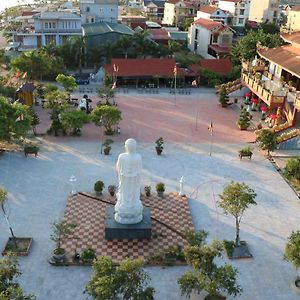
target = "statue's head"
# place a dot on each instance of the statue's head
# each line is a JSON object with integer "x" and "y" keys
{"x": 130, "y": 145}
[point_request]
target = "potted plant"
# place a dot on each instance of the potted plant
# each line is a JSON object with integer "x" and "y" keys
{"x": 147, "y": 190}
{"x": 111, "y": 189}
{"x": 88, "y": 255}
{"x": 106, "y": 146}
{"x": 98, "y": 187}
{"x": 223, "y": 99}
{"x": 246, "y": 152}
{"x": 159, "y": 145}
{"x": 243, "y": 121}
{"x": 31, "y": 149}
{"x": 61, "y": 231}
{"x": 160, "y": 188}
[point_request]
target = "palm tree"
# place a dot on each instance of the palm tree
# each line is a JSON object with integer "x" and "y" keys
{"x": 142, "y": 43}
{"x": 109, "y": 50}
{"x": 78, "y": 45}
{"x": 125, "y": 43}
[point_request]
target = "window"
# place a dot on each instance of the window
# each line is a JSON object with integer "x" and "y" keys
{"x": 92, "y": 20}
{"x": 87, "y": 9}
{"x": 46, "y": 25}
{"x": 101, "y": 10}
{"x": 53, "y": 25}
{"x": 112, "y": 9}
{"x": 241, "y": 21}
{"x": 196, "y": 34}
{"x": 50, "y": 25}
{"x": 242, "y": 12}
{"x": 215, "y": 39}
{"x": 195, "y": 46}
{"x": 218, "y": 12}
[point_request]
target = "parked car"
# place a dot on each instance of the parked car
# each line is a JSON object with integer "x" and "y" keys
{"x": 81, "y": 80}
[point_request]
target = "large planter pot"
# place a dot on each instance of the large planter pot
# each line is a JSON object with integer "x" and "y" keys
{"x": 160, "y": 194}
{"x": 106, "y": 151}
{"x": 158, "y": 150}
{"x": 59, "y": 255}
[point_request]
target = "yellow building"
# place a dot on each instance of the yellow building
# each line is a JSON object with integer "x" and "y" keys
{"x": 264, "y": 10}
{"x": 293, "y": 19}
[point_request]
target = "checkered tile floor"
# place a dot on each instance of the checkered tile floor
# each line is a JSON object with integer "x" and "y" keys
{"x": 170, "y": 216}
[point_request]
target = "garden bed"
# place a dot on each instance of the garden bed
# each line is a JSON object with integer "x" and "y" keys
{"x": 20, "y": 246}
{"x": 237, "y": 252}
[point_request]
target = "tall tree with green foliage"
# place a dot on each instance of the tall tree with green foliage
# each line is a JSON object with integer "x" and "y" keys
{"x": 68, "y": 82}
{"x": 206, "y": 275}
{"x": 292, "y": 249}
{"x": 106, "y": 116}
{"x": 78, "y": 46}
{"x": 234, "y": 200}
{"x": 37, "y": 63}
{"x": 128, "y": 281}
{"x": 15, "y": 120}
{"x": 10, "y": 289}
{"x": 74, "y": 120}
{"x": 245, "y": 47}
{"x": 267, "y": 140}
{"x": 106, "y": 93}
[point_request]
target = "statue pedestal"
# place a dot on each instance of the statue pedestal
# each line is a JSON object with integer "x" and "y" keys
{"x": 115, "y": 230}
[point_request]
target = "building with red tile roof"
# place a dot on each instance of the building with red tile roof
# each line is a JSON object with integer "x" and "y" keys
{"x": 160, "y": 36}
{"x": 210, "y": 38}
{"x": 139, "y": 71}
{"x": 219, "y": 66}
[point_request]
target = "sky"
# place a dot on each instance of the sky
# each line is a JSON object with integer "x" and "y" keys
{"x": 8, "y": 3}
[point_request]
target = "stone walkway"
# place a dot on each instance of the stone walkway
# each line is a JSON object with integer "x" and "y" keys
{"x": 39, "y": 187}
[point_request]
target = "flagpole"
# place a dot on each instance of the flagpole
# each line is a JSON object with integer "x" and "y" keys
{"x": 175, "y": 87}
{"x": 210, "y": 128}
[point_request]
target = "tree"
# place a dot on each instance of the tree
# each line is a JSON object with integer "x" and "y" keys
{"x": 128, "y": 281}
{"x": 106, "y": 93}
{"x": 267, "y": 140}
{"x": 245, "y": 48}
{"x": 234, "y": 200}
{"x": 74, "y": 120}
{"x": 187, "y": 23}
{"x": 206, "y": 275}
{"x": 211, "y": 78}
{"x": 124, "y": 43}
{"x": 174, "y": 46}
{"x": 57, "y": 101}
{"x": 68, "y": 82}
{"x": 106, "y": 116}
{"x": 35, "y": 120}
{"x": 243, "y": 121}
{"x": 223, "y": 98}
{"x": 292, "y": 168}
{"x": 270, "y": 28}
{"x": 10, "y": 289}
{"x": 78, "y": 45}
{"x": 292, "y": 249}
{"x": 15, "y": 120}
{"x": 36, "y": 63}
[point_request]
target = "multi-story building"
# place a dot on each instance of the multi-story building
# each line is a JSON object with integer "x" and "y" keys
{"x": 238, "y": 8}
{"x": 49, "y": 27}
{"x": 214, "y": 13}
{"x": 154, "y": 9}
{"x": 99, "y": 11}
{"x": 209, "y": 38}
{"x": 264, "y": 11}
{"x": 176, "y": 11}
{"x": 293, "y": 18}
{"x": 275, "y": 77}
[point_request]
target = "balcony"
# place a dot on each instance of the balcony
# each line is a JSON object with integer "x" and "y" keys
{"x": 58, "y": 30}
{"x": 260, "y": 66}
{"x": 269, "y": 91}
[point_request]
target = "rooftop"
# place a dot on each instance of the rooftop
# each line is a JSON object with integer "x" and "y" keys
{"x": 207, "y": 23}
{"x": 220, "y": 66}
{"x": 295, "y": 8}
{"x": 159, "y": 34}
{"x": 293, "y": 38}
{"x": 288, "y": 57}
{"x": 138, "y": 67}
{"x": 105, "y": 27}
{"x": 209, "y": 9}
{"x": 57, "y": 15}
{"x": 158, "y": 3}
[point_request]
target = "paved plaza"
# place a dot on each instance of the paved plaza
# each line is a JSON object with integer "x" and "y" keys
{"x": 39, "y": 188}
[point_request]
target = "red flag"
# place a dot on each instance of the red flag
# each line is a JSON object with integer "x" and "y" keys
{"x": 116, "y": 68}
{"x": 18, "y": 74}
{"x": 24, "y": 75}
{"x": 20, "y": 118}
{"x": 114, "y": 85}
{"x": 175, "y": 70}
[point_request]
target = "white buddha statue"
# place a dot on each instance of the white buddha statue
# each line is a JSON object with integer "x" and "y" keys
{"x": 129, "y": 208}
